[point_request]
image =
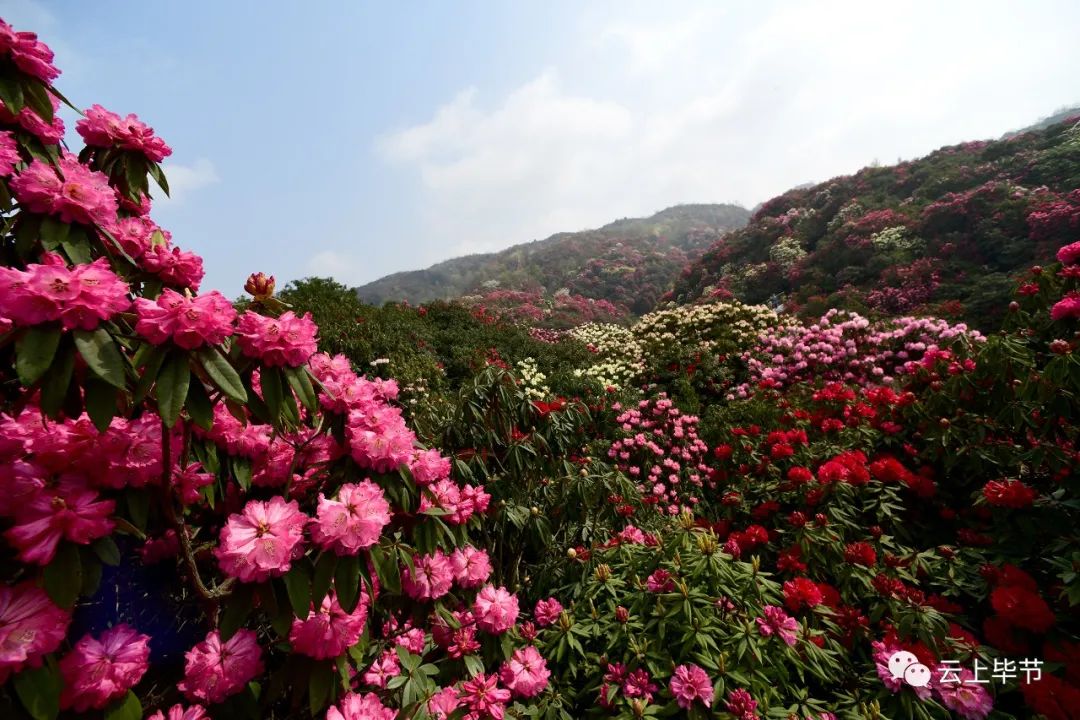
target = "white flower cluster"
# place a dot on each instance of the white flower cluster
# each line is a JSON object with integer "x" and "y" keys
{"x": 531, "y": 380}
{"x": 787, "y": 252}
{"x": 721, "y": 326}
{"x": 897, "y": 238}
{"x": 619, "y": 359}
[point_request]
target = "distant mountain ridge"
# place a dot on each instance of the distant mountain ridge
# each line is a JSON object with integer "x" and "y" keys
{"x": 630, "y": 262}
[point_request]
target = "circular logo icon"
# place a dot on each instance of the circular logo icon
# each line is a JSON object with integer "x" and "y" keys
{"x": 899, "y": 661}
{"x": 917, "y": 675}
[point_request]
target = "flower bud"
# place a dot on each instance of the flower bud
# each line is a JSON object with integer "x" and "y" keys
{"x": 622, "y": 615}
{"x": 603, "y": 572}
{"x": 565, "y": 621}
{"x": 1060, "y": 347}
{"x": 259, "y": 285}
{"x": 707, "y": 544}
{"x": 571, "y": 553}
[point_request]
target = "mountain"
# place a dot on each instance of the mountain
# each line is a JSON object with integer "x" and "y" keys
{"x": 945, "y": 234}
{"x": 629, "y": 263}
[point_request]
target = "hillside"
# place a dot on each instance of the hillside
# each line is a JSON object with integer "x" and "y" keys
{"x": 944, "y": 234}
{"x": 629, "y": 262}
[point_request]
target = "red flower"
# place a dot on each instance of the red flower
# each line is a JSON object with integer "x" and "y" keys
{"x": 1023, "y": 608}
{"x": 1008, "y": 493}
{"x": 801, "y": 592}
{"x": 860, "y": 553}
{"x": 1052, "y": 697}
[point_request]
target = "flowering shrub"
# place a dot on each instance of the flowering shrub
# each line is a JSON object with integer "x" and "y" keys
{"x": 619, "y": 359}
{"x": 320, "y": 556}
{"x": 722, "y": 327}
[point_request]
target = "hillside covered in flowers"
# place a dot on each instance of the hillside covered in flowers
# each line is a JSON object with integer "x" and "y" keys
{"x": 293, "y": 504}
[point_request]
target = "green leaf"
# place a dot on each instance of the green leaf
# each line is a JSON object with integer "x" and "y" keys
{"x": 324, "y": 573}
{"x": 126, "y": 708}
{"x": 100, "y": 402}
{"x": 63, "y": 576}
{"x": 39, "y": 691}
{"x": 300, "y": 382}
{"x": 237, "y": 608}
{"x": 53, "y": 233}
{"x": 272, "y": 392}
{"x": 322, "y": 677}
{"x": 101, "y": 355}
{"x": 242, "y": 471}
{"x": 386, "y": 567}
{"x": 37, "y": 97}
{"x": 91, "y": 575}
{"x": 150, "y": 362}
{"x": 347, "y": 582}
{"x": 298, "y": 585}
{"x": 105, "y": 548}
{"x": 172, "y": 386}
{"x": 34, "y": 352}
{"x": 222, "y": 373}
{"x": 55, "y": 386}
{"x": 11, "y": 93}
{"x": 138, "y": 505}
{"x": 159, "y": 177}
{"x": 135, "y": 174}
{"x": 199, "y": 406}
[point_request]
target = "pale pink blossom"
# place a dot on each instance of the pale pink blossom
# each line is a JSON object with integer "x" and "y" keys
{"x": 262, "y": 541}
{"x": 525, "y": 673}
{"x": 472, "y": 567}
{"x": 495, "y": 609}
{"x": 353, "y": 521}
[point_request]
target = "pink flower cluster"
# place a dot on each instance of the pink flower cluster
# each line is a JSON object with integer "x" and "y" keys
{"x": 353, "y": 521}
{"x": 848, "y": 347}
{"x": 690, "y": 684}
{"x": 189, "y": 322}
{"x": 287, "y": 340}
{"x": 329, "y": 631}
{"x": 30, "y": 627}
{"x": 30, "y": 55}
{"x": 262, "y": 541}
{"x": 76, "y": 194}
{"x": 214, "y": 670}
{"x": 79, "y": 297}
{"x": 104, "y": 129}
{"x": 661, "y": 451}
{"x": 99, "y": 670}
{"x": 49, "y": 133}
{"x": 9, "y": 153}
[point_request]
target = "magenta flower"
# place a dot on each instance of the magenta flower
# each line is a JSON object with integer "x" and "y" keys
{"x": 331, "y": 631}
{"x": 353, "y": 521}
{"x": 97, "y": 671}
{"x": 30, "y": 55}
{"x": 30, "y": 627}
{"x": 741, "y": 704}
{"x": 779, "y": 622}
{"x": 967, "y": 698}
{"x": 79, "y": 297}
{"x": 428, "y": 466}
{"x": 262, "y": 541}
{"x": 1069, "y": 254}
{"x": 638, "y": 684}
{"x": 174, "y": 266}
{"x": 1067, "y": 307}
{"x": 9, "y": 153}
{"x": 443, "y": 703}
{"x": 69, "y": 511}
{"x": 214, "y": 670}
{"x": 431, "y": 576}
{"x": 287, "y": 340}
{"x": 104, "y": 129}
{"x": 178, "y": 712}
{"x": 136, "y": 235}
{"x": 690, "y": 683}
{"x": 365, "y": 706}
{"x": 525, "y": 673}
{"x": 495, "y": 610}
{"x": 189, "y": 322}
{"x": 81, "y": 196}
{"x": 189, "y": 481}
{"x": 472, "y": 567}
{"x": 547, "y": 612}
{"x": 386, "y": 666}
{"x": 484, "y": 698}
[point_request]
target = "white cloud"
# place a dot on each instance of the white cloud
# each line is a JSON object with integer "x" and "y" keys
{"x": 185, "y": 180}
{"x": 332, "y": 264}
{"x": 734, "y": 103}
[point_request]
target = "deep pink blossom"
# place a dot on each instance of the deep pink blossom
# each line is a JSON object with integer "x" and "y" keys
{"x": 214, "y": 670}
{"x": 495, "y": 609}
{"x": 9, "y": 153}
{"x": 443, "y": 703}
{"x": 547, "y": 612}
{"x": 386, "y": 666}
{"x": 330, "y": 631}
{"x": 189, "y": 481}
{"x": 472, "y": 567}
{"x": 690, "y": 683}
{"x": 431, "y": 577}
{"x": 30, "y": 627}
{"x": 137, "y": 235}
{"x": 1070, "y": 254}
{"x": 104, "y": 129}
{"x": 484, "y": 698}
{"x": 176, "y": 267}
{"x": 360, "y": 706}
{"x": 1067, "y": 307}
{"x": 68, "y": 511}
{"x": 741, "y": 704}
{"x": 353, "y": 521}
{"x": 428, "y": 466}
{"x": 80, "y": 195}
{"x": 31, "y": 55}
{"x": 262, "y": 541}
{"x": 287, "y": 340}
{"x": 525, "y": 673}
{"x": 79, "y": 297}
{"x": 99, "y": 670}
{"x": 179, "y": 712}
{"x": 189, "y": 322}
{"x": 778, "y": 622}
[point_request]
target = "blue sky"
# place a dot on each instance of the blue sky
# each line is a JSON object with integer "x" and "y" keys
{"x": 356, "y": 139}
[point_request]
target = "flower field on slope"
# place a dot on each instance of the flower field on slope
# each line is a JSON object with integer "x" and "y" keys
{"x": 298, "y": 506}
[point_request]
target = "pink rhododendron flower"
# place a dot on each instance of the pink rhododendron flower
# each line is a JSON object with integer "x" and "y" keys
{"x": 443, "y": 703}
{"x": 378, "y": 437}
{"x": 99, "y": 670}
{"x": 102, "y": 128}
{"x": 69, "y": 511}
{"x": 1067, "y": 307}
{"x": 353, "y": 521}
{"x": 365, "y": 706}
{"x": 287, "y": 340}
{"x": 30, "y": 627}
{"x": 495, "y": 609}
{"x": 9, "y": 153}
{"x": 547, "y": 612}
{"x": 741, "y": 704}
{"x": 428, "y": 466}
{"x": 638, "y": 684}
{"x": 174, "y": 266}
{"x": 330, "y": 631}
{"x": 30, "y": 55}
{"x": 1070, "y": 254}
{"x": 81, "y": 196}
{"x": 660, "y": 581}
{"x": 525, "y": 673}
{"x": 431, "y": 576}
{"x": 484, "y": 698}
{"x": 136, "y": 235}
{"x": 79, "y": 297}
{"x": 214, "y": 670}
{"x": 189, "y": 322}
{"x": 386, "y": 666}
{"x": 262, "y": 541}
{"x": 189, "y": 481}
{"x": 472, "y": 567}
{"x": 967, "y": 698}
{"x": 178, "y": 712}
{"x": 779, "y": 622}
{"x": 690, "y": 683}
